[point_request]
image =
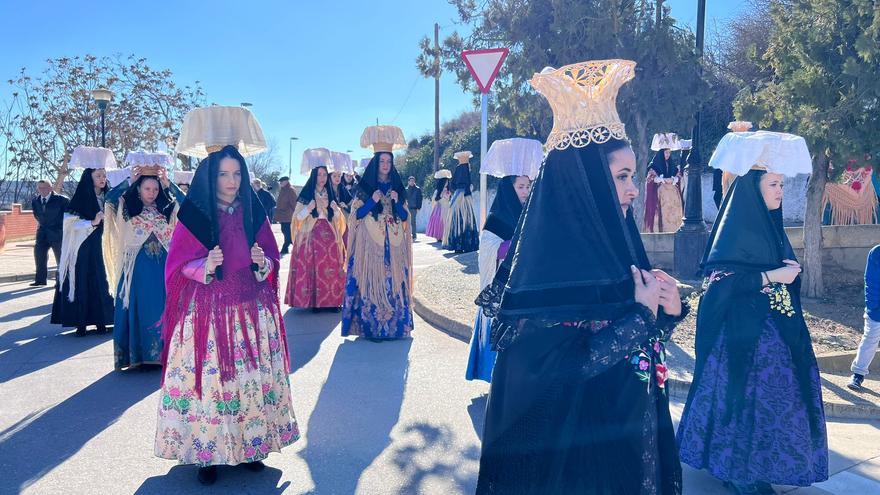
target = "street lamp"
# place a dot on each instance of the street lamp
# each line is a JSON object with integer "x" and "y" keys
{"x": 290, "y": 158}
{"x": 247, "y": 105}
{"x": 103, "y": 97}
{"x": 691, "y": 238}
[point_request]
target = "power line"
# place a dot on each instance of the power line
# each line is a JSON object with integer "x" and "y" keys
{"x": 411, "y": 89}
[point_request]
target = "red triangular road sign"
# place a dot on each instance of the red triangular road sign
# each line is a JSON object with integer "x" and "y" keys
{"x": 484, "y": 65}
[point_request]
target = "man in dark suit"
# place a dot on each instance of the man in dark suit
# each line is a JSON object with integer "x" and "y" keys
{"x": 414, "y": 202}
{"x": 48, "y": 209}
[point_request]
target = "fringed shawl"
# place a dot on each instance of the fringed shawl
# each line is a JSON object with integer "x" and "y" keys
{"x": 123, "y": 239}
{"x": 366, "y": 243}
{"x": 221, "y": 304}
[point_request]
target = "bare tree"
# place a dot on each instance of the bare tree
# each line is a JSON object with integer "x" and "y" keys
{"x": 263, "y": 165}
{"x": 54, "y": 112}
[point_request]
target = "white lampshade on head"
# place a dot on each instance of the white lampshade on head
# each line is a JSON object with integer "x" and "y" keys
{"x": 208, "y": 129}
{"x": 149, "y": 163}
{"x": 686, "y": 144}
{"x": 315, "y": 157}
{"x": 516, "y": 156}
{"x": 341, "y": 162}
{"x": 92, "y": 157}
{"x": 665, "y": 141}
{"x": 443, "y": 174}
{"x": 463, "y": 157}
{"x": 776, "y": 152}
{"x": 383, "y": 138}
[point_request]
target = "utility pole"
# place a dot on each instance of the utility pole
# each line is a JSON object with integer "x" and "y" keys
{"x": 436, "y": 97}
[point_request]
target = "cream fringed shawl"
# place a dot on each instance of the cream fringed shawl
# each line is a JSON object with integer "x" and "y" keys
{"x": 123, "y": 239}
{"x": 76, "y": 231}
{"x": 366, "y": 243}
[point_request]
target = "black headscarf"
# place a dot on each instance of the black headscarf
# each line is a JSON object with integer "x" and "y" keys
{"x": 369, "y": 182}
{"x": 308, "y": 192}
{"x": 461, "y": 178}
{"x": 746, "y": 235}
{"x": 199, "y": 211}
{"x": 748, "y": 239}
{"x": 661, "y": 166}
{"x": 572, "y": 248}
{"x": 505, "y": 211}
{"x": 134, "y": 206}
{"x": 343, "y": 196}
{"x": 84, "y": 202}
{"x": 441, "y": 184}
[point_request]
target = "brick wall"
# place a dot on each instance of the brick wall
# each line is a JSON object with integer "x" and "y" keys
{"x": 17, "y": 225}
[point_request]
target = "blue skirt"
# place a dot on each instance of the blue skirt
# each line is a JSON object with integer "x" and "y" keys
{"x": 482, "y": 357}
{"x": 360, "y": 316}
{"x": 137, "y": 332}
{"x": 769, "y": 439}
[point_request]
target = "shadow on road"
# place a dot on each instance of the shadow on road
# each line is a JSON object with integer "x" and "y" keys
{"x": 42, "y": 441}
{"x": 477, "y": 412}
{"x": 429, "y": 451}
{"x": 40, "y": 345}
{"x": 305, "y": 333}
{"x": 355, "y": 413}
{"x": 182, "y": 480}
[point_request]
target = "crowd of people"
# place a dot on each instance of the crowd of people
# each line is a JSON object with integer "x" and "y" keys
{"x": 572, "y": 319}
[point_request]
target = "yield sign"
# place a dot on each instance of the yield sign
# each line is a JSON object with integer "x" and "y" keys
{"x": 484, "y": 65}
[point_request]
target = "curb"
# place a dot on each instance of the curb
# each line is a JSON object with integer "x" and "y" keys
{"x": 446, "y": 325}
{"x": 21, "y": 277}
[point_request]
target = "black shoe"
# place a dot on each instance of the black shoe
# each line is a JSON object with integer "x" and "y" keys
{"x": 80, "y": 331}
{"x": 37, "y": 284}
{"x": 255, "y": 466}
{"x": 856, "y": 382}
{"x": 207, "y": 475}
{"x": 102, "y": 329}
{"x": 316, "y": 310}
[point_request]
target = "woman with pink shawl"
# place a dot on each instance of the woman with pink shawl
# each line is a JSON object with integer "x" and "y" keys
{"x": 225, "y": 397}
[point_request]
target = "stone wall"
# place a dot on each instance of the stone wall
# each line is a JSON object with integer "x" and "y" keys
{"x": 844, "y": 248}
{"x": 794, "y": 201}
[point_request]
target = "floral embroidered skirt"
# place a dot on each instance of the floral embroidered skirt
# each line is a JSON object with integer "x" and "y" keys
{"x": 239, "y": 421}
{"x": 317, "y": 279}
{"x": 361, "y": 316}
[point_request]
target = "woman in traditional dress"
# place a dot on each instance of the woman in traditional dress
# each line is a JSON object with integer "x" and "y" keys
{"x": 460, "y": 232}
{"x": 516, "y": 161}
{"x": 82, "y": 295}
{"x": 494, "y": 243}
{"x": 225, "y": 396}
{"x": 578, "y": 402}
{"x": 754, "y": 414}
{"x": 317, "y": 274}
{"x": 139, "y": 223}
{"x": 340, "y": 192}
{"x": 378, "y": 289}
{"x": 663, "y": 200}
{"x": 436, "y": 225}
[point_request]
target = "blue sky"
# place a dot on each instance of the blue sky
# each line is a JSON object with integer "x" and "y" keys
{"x": 317, "y": 70}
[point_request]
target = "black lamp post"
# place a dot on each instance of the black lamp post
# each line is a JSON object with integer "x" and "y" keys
{"x": 103, "y": 97}
{"x": 691, "y": 238}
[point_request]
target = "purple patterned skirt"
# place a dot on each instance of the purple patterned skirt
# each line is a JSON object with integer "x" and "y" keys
{"x": 769, "y": 439}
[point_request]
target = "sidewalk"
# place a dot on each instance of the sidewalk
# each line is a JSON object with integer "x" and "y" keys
{"x": 17, "y": 262}
{"x": 444, "y": 296}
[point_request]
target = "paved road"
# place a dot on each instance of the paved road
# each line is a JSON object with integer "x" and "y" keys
{"x": 393, "y": 417}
